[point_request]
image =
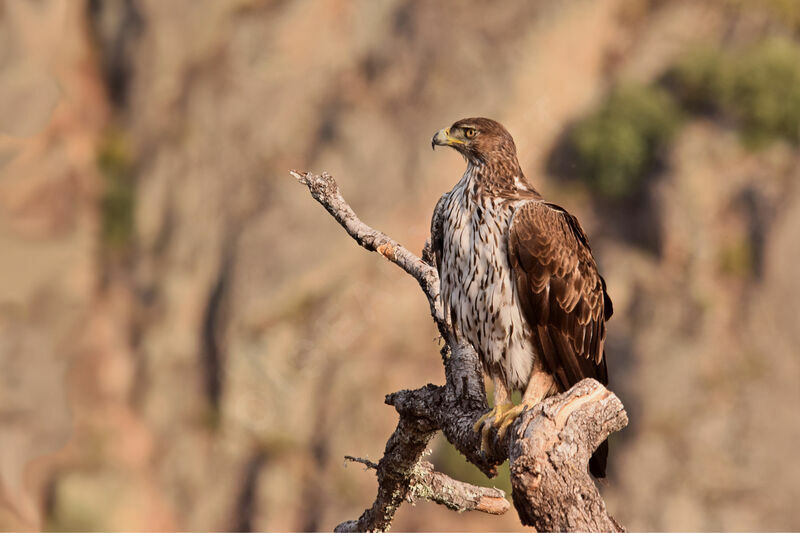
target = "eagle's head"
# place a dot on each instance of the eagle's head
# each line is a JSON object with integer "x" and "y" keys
{"x": 479, "y": 140}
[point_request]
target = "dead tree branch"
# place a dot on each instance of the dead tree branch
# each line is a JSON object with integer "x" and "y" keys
{"x": 548, "y": 448}
{"x": 366, "y": 462}
{"x": 428, "y": 484}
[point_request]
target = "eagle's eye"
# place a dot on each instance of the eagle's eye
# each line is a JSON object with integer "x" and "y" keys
{"x": 470, "y": 132}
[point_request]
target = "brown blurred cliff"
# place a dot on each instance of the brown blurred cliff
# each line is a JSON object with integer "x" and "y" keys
{"x": 187, "y": 342}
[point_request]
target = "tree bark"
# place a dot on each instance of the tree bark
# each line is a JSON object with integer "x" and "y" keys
{"x": 548, "y": 446}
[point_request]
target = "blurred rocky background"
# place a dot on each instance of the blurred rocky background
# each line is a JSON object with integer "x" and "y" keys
{"x": 189, "y": 342}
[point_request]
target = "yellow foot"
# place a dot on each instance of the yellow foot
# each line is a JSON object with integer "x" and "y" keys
{"x": 489, "y": 420}
{"x": 509, "y": 416}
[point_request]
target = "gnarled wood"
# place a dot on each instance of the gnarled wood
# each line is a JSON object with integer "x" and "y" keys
{"x": 548, "y": 454}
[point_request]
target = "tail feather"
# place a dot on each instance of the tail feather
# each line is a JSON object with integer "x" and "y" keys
{"x": 597, "y": 464}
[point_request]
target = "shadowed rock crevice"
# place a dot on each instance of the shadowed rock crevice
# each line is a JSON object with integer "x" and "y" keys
{"x": 247, "y": 501}
{"x": 215, "y": 320}
{"x": 116, "y": 27}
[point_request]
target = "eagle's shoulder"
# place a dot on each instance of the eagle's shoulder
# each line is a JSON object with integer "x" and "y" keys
{"x": 544, "y": 232}
{"x": 544, "y": 236}
{"x": 548, "y": 221}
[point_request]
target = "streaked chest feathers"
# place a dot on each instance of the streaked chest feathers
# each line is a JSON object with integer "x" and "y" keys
{"x": 479, "y": 294}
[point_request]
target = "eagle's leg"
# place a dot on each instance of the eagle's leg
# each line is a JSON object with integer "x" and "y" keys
{"x": 539, "y": 386}
{"x": 502, "y": 403}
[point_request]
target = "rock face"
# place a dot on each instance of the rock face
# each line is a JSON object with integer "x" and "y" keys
{"x": 186, "y": 342}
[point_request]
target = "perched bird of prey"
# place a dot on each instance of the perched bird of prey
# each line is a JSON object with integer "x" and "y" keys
{"x": 518, "y": 279}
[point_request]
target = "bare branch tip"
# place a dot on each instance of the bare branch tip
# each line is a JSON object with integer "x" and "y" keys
{"x": 366, "y": 462}
{"x": 302, "y": 177}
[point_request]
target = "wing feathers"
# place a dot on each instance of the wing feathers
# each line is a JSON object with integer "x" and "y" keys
{"x": 561, "y": 294}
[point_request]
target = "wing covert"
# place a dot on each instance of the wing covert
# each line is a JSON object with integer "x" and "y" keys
{"x": 562, "y": 295}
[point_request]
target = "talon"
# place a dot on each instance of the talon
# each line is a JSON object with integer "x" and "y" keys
{"x": 496, "y": 412}
{"x": 510, "y": 416}
{"x": 477, "y": 426}
{"x": 485, "y": 438}
{"x": 489, "y": 420}
{"x": 509, "y": 419}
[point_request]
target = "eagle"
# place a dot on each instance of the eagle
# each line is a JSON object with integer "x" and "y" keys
{"x": 518, "y": 278}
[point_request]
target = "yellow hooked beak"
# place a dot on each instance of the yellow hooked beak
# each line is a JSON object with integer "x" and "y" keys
{"x": 443, "y": 138}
